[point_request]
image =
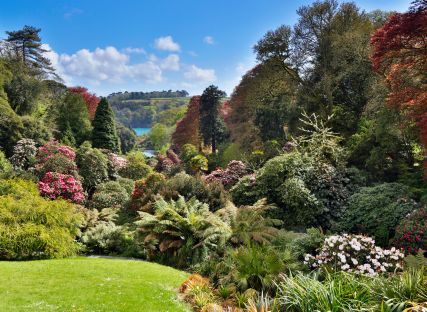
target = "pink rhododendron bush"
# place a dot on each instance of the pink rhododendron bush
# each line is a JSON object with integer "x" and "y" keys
{"x": 54, "y": 185}
{"x": 356, "y": 254}
{"x": 52, "y": 148}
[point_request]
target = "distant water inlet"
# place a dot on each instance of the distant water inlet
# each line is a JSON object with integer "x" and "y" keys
{"x": 142, "y": 131}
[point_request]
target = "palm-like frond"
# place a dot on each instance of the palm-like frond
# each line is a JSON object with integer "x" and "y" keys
{"x": 185, "y": 228}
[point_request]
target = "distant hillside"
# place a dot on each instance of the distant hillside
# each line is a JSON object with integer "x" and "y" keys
{"x": 141, "y": 109}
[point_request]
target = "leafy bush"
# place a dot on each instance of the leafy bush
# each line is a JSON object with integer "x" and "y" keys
{"x": 32, "y": 227}
{"x": 54, "y": 185}
{"x": 198, "y": 163}
{"x": 106, "y": 238}
{"x": 188, "y": 151}
{"x": 411, "y": 233}
{"x": 5, "y": 165}
{"x": 356, "y": 253}
{"x": 18, "y": 188}
{"x": 185, "y": 229}
{"x": 308, "y": 192}
{"x": 93, "y": 166}
{"x": 52, "y": 148}
{"x": 109, "y": 194}
{"x": 377, "y": 211}
{"x": 189, "y": 186}
{"x": 24, "y": 153}
{"x": 136, "y": 167}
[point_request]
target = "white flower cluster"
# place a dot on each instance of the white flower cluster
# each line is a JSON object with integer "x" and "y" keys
{"x": 357, "y": 254}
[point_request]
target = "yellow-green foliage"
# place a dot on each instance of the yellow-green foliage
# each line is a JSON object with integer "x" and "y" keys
{"x": 32, "y": 227}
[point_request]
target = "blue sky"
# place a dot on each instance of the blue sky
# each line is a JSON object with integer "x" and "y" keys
{"x": 146, "y": 45}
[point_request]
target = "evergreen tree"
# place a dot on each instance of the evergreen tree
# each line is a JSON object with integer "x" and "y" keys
{"x": 26, "y": 46}
{"x": 104, "y": 133}
{"x": 209, "y": 115}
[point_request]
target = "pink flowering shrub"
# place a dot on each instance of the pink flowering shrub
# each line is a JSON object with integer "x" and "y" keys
{"x": 411, "y": 233}
{"x": 52, "y": 148}
{"x": 53, "y": 157}
{"x": 54, "y": 185}
{"x": 356, "y": 254}
{"x": 230, "y": 175}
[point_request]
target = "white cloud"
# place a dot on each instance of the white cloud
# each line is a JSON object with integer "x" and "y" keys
{"x": 200, "y": 74}
{"x": 131, "y": 50}
{"x": 209, "y": 40}
{"x": 170, "y": 63}
{"x": 166, "y": 44}
{"x": 103, "y": 65}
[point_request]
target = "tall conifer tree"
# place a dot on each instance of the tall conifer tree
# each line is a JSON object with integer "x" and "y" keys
{"x": 104, "y": 133}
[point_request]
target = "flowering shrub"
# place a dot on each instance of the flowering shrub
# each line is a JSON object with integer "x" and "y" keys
{"x": 115, "y": 163}
{"x": 54, "y": 185}
{"x": 93, "y": 166}
{"x": 109, "y": 194}
{"x": 357, "y": 254}
{"x": 54, "y": 147}
{"x": 230, "y": 176}
{"x": 24, "y": 153}
{"x": 411, "y": 233}
{"x": 164, "y": 164}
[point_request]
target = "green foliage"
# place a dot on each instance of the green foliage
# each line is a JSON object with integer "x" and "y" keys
{"x": 136, "y": 167}
{"x": 104, "y": 133}
{"x": 159, "y": 136}
{"x": 188, "y": 151}
{"x": 72, "y": 113}
{"x": 210, "y": 121}
{"x": 32, "y": 227}
{"x": 127, "y": 138}
{"x": 377, "y": 210}
{"x": 58, "y": 163}
{"x": 93, "y": 166}
{"x": 188, "y": 186}
{"x": 199, "y": 163}
{"x": 110, "y": 194}
{"x": 36, "y": 129}
{"x": 307, "y": 243}
{"x": 10, "y": 127}
{"x": 307, "y": 191}
{"x": 23, "y": 92}
{"x": 5, "y": 165}
{"x": 186, "y": 229}
{"x": 249, "y": 224}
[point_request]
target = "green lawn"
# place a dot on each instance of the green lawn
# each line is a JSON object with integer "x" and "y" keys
{"x": 89, "y": 284}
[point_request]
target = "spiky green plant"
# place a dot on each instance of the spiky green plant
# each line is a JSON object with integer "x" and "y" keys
{"x": 249, "y": 224}
{"x": 185, "y": 229}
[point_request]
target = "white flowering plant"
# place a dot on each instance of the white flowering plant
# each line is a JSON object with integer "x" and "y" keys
{"x": 355, "y": 254}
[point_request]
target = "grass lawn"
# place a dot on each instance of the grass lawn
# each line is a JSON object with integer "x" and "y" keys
{"x": 89, "y": 284}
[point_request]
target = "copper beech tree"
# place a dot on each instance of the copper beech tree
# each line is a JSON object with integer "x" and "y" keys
{"x": 187, "y": 129}
{"x": 90, "y": 99}
{"x": 400, "y": 54}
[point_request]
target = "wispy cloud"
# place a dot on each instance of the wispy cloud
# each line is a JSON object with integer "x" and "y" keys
{"x": 200, "y": 74}
{"x": 72, "y": 12}
{"x": 209, "y": 40}
{"x": 166, "y": 44}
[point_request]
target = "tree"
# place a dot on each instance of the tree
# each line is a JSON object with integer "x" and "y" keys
{"x": 72, "y": 113}
{"x": 159, "y": 136}
{"x": 187, "y": 129}
{"x": 209, "y": 115}
{"x": 23, "y": 92}
{"x": 90, "y": 99}
{"x": 27, "y": 47}
{"x": 104, "y": 134}
{"x": 400, "y": 54}
{"x": 127, "y": 137}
